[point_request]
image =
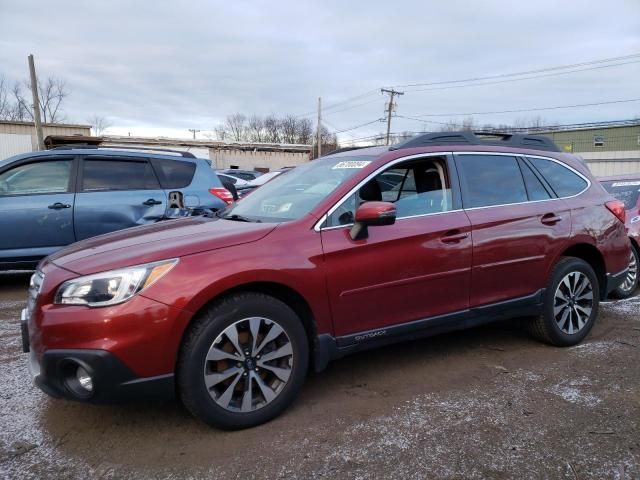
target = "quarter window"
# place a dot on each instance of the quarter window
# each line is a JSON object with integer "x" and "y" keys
{"x": 174, "y": 173}
{"x": 102, "y": 175}
{"x": 36, "y": 178}
{"x": 563, "y": 181}
{"x": 491, "y": 180}
{"x": 535, "y": 189}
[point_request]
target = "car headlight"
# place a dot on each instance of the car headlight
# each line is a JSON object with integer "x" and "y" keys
{"x": 112, "y": 287}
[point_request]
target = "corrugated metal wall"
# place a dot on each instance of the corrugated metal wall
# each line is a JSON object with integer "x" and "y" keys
{"x": 248, "y": 160}
{"x": 12, "y": 136}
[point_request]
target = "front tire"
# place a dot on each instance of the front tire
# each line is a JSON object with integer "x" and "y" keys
{"x": 630, "y": 283}
{"x": 571, "y": 303}
{"x": 243, "y": 361}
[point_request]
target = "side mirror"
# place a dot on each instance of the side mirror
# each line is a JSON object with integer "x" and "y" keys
{"x": 372, "y": 214}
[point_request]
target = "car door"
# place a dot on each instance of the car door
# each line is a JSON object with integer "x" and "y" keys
{"x": 116, "y": 193}
{"x": 417, "y": 268}
{"x": 517, "y": 225}
{"x": 36, "y": 207}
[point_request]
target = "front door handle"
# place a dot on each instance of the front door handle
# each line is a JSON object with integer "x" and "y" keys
{"x": 151, "y": 202}
{"x": 59, "y": 206}
{"x": 550, "y": 219}
{"x": 453, "y": 236}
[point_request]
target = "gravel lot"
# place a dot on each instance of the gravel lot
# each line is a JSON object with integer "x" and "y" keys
{"x": 486, "y": 403}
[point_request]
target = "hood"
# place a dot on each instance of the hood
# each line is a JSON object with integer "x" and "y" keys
{"x": 159, "y": 241}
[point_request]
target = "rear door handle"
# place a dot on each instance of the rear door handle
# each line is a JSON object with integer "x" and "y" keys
{"x": 453, "y": 236}
{"x": 152, "y": 201}
{"x": 550, "y": 219}
{"x": 59, "y": 206}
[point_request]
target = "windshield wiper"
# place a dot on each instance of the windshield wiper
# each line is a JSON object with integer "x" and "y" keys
{"x": 239, "y": 218}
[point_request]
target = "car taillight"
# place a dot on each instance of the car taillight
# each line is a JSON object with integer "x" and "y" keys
{"x": 222, "y": 193}
{"x": 617, "y": 208}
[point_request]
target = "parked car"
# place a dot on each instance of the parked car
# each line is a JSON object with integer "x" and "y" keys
{"x": 247, "y": 175}
{"x": 52, "y": 198}
{"x": 230, "y": 311}
{"x": 626, "y": 188}
{"x": 237, "y": 182}
{"x": 250, "y": 186}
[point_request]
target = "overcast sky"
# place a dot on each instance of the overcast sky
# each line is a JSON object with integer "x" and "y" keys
{"x": 162, "y": 67}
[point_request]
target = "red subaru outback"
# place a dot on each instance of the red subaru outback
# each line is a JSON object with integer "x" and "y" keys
{"x": 352, "y": 251}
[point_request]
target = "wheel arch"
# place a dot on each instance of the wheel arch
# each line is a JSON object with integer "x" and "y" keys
{"x": 590, "y": 254}
{"x": 280, "y": 291}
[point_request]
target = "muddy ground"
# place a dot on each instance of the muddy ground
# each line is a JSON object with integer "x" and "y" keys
{"x": 486, "y": 403}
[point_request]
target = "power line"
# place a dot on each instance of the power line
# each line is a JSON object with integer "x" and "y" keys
{"x": 555, "y": 107}
{"x": 356, "y": 127}
{"x": 526, "y": 72}
{"x": 337, "y": 104}
{"x": 545, "y": 128}
{"x": 509, "y": 80}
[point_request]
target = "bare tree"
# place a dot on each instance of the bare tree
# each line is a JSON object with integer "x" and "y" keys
{"x": 255, "y": 129}
{"x": 220, "y": 133}
{"x": 6, "y": 107}
{"x": 289, "y": 129}
{"x": 99, "y": 124}
{"x": 272, "y": 129}
{"x": 235, "y": 126}
{"x": 52, "y": 93}
{"x": 305, "y": 131}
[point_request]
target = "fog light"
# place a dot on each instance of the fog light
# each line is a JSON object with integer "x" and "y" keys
{"x": 84, "y": 379}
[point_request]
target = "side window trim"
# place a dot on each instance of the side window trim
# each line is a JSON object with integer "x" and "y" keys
{"x": 453, "y": 177}
{"x": 80, "y": 171}
{"x": 535, "y": 171}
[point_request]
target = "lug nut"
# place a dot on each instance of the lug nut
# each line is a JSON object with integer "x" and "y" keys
{"x": 244, "y": 374}
{"x": 256, "y": 369}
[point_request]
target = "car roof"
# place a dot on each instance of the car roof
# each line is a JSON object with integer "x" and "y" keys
{"x": 110, "y": 152}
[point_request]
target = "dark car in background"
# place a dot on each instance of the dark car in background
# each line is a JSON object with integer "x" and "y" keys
{"x": 626, "y": 188}
{"x": 52, "y": 198}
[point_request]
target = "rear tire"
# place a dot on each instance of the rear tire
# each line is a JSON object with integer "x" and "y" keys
{"x": 630, "y": 283}
{"x": 571, "y": 302}
{"x": 243, "y": 361}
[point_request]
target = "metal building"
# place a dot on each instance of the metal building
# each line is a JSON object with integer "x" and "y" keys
{"x": 608, "y": 150}
{"x": 20, "y": 137}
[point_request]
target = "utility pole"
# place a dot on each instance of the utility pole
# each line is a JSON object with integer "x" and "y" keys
{"x": 319, "y": 132}
{"x": 194, "y": 131}
{"x": 36, "y": 103}
{"x": 390, "y": 107}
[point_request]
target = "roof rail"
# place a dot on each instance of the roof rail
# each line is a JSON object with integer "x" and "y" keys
{"x": 533, "y": 142}
{"x": 84, "y": 146}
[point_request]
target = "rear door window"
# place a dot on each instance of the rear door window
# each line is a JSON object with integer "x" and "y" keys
{"x": 174, "y": 173}
{"x": 110, "y": 174}
{"x": 490, "y": 180}
{"x": 564, "y": 182}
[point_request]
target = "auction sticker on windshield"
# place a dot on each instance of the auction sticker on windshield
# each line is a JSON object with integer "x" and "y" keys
{"x": 351, "y": 164}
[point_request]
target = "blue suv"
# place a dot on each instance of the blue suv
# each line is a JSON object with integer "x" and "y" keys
{"x": 56, "y": 197}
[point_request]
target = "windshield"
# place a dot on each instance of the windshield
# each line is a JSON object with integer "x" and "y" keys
{"x": 293, "y": 194}
{"x": 626, "y": 191}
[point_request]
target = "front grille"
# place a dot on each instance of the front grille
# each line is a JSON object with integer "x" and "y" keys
{"x": 35, "y": 284}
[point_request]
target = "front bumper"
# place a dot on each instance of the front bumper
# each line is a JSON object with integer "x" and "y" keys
{"x": 112, "y": 381}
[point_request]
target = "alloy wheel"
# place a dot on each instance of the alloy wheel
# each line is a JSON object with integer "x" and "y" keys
{"x": 248, "y": 364}
{"x": 631, "y": 279}
{"x": 573, "y": 302}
